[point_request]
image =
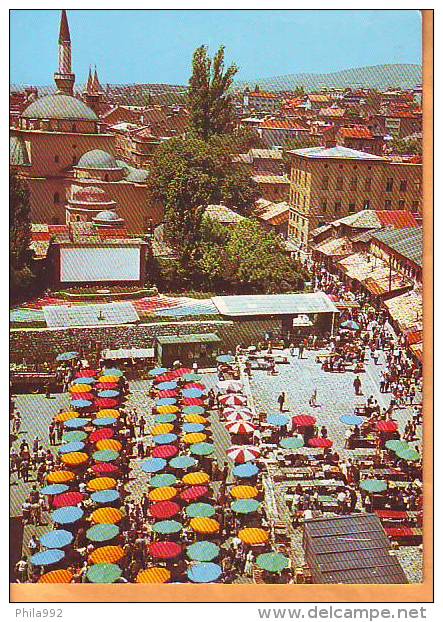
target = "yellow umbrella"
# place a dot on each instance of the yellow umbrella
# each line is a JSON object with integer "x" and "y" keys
{"x": 194, "y": 437}
{"x": 61, "y": 417}
{"x": 165, "y": 493}
{"x": 80, "y": 388}
{"x": 244, "y": 492}
{"x": 204, "y": 525}
{"x": 109, "y": 443}
{"x": 153, "y": 575}
{"x": 56, "y": 576}
{"x": 253, "y": 535}
{"x": 167, "y": 410}
{"x": 108, "y": 412}
{"x": 194, "y": 479}
{"x": 60, "y": 477}
{"x": 75, "y": 458}
{"x": 106, "y": 515}
{"x": 102, "y": 483}
{"x": 162, "y": 428}
{"x": 195, "y": 419}
{"x": 106, "y": 555}
{"x": 108, "y": 379}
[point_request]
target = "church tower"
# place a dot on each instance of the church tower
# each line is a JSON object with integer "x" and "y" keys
{"x": 64, "y": 78}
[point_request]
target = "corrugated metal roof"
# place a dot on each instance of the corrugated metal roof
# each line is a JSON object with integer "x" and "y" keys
{"x": 336, "y": 152}
{"x": 405, "y": 242}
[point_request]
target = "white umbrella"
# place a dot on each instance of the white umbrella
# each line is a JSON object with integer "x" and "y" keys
{"x": 232, "y": 386}
{"x": 239, "y": 415}
{"x": 235, "y": 399}
{"x": 243, "y": 453}
{"x": 240, "y": 427}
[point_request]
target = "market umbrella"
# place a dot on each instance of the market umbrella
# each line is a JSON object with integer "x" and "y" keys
{"x": 80, "y": 388}
{"x": 182, "y": 462}
{"x": 408, "y": 454}
{"x": 192, "y": 393}
{"x": 244, "y": 492}
{"x": 165, "y": 401}
{"x": 202, "y": 449}
{"x": 168, "y": 410}
{"x": 108, "y": 412}
{"x": 84, "y": 380}
{"x": 352, "y": 419}
{"x": 108, "y": 378}
{"x": 66, "y": 416}
{"x": 240, "y": 427}
{"x": 225, "y": 358}
{"x": 73, "y": 446}
{"x": 231, "y": 386}
{"x": 165, "y": 493}
{"x": 200, "y": 510}
{"x": 292, "y": 442}
{"x": 154, "y": 574}
{"x": 157, "y": 371}
{"x": 113, "y": 371}
{"x": 387, "y": 426}
{"x": 56, "y": 539}
{"x": 100, "y": 435}
{"x": 303, "y": 421}
{"x": 108, "y": 393}
{"x": 245, "y": 506}
{"x": 319, "y": 442}
{"x": 243, "y": 453}
{"x": 195, "y": 385}
{"x": 373, "y": 485}
{"x": 47, "y": 558}
{"x": 162, "y": 428}
{"x": 165, "y": 550}
{"x": 104, "y": 573}
{"x": 74, "y": 436}
{"x": 203, "y": 551}
{"x": 67, "y": 356}
{"x": 87, "y": 396}
{"x": 168, "y": 418}
{"x": 272, "y": 562}
{"x": 204, "y": 572}
{"x": 169, "y": 393}
{"x": 68, "y": 499}
{"x": 56, "y": 576}
{"x": 204, "y": 525}
{"x": 109, "y": 443}
{"x": 60, "y": 477}
{"x": 75, "y": 458}
{"x": 192, "y": 438}
{"x": 106, "y": 515}
{"x": 102, "y": 468}
{"x": 153, "y": 465}
{"x": 234, "y": 414}
{"x": 395, "y": 444}
{"x": 102, "y": 532}
{"x": 350, "y": 325}
{"x": 104, "y": 422}
{"x": 106, "y": 555}
{"x": 196, "y": 419}
{"x": 193, "y": 427}
{"x": 101, "y": 483}
{"x": 196, "y": 478}
{"x": 105, "y": 496}
{"x": 105, "y": 402}
{"x": 193, "y": 493}
{"x": 105, "y": 455}
{"x": 234, "y": 399}
{"x": 164, "y": 509}
{"x": 75, "y": 423}
{"x": 86, "y": 373}
{"x": 167, "y": 527}
{"x": 164, "y": 451}
{"x": 191, "y": 377}
{"x": 278, "y": 421}
{"x": 248, "y": 469}
{"x": 79, "y": 422}
{"x": 107, "y": 386}
{"x": 54, "y": 489}
{"x": 167, "y": 386}
{"x": 253, "y": 535}
{"x": 193, "y": 410}
{"x": 67, "y": 515}
{"x": 165, "y": 439}
{"x": 192, "y": 401}
{"x": 165, "y": 479}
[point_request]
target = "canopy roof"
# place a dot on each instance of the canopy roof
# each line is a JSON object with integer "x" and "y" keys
{"x": 274, "y": 304}
{"x": 203, "y": 338}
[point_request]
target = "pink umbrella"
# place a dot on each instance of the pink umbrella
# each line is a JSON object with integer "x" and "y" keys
{"x": 243, "y": 453}
{"x": 240, "y": 427}
{"x": 235, "y": 399}
{"x": 238, "y": 415}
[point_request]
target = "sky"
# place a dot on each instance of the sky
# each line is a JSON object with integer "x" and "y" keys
{"x": 154, "y": 46}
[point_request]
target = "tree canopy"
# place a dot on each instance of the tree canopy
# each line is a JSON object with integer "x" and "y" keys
{"x": 21, "y": 275}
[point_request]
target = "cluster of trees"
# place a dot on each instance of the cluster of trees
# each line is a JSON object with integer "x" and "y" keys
{"x": 407, "y": 146}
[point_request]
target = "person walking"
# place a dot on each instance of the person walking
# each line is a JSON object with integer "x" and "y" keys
{"x": 281, "y": 400}
{"x": 301, "y": 348}
{"x": 313, "y": 399}
{"x": 357, "y": 385}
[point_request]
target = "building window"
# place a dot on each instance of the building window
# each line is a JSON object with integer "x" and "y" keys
{"x": 324, "y": 206}
{"x": 351, "y": 208}
{"x": 56, "y": 197}
{"x": 56, "y": 158}
{"x": 324, "y": 182}
{"x": 337, "y": 207}
{"x": 367, "y": 204}
{"x": 403, "y": 185}
{"x": 74, "y": 127}
{"x": 339, "y": 183}
{"x": 354, "y": 183}
{"x": 415, "y": 206}
{"x": 368, "y": 182}
{"x": 401, "y": 204}
{"x": 389, "y": 184}
{"x": 106, "y": 177}
{"x": 388, "y": 204}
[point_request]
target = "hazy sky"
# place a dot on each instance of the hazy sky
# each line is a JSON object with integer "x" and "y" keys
{"x": 157, "y": 46}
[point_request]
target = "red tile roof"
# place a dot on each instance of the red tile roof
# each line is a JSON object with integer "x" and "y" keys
{"x": 263, "y": 94}
{"x": 283, "y": 124}
{"x": 399, "y": 219}
{"x": 358, "y": 131}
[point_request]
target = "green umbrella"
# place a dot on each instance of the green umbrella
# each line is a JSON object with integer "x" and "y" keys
{"x": 164, "y": 479}
{"x": 193, "y": 410}
{"x": 272, "y": 562}
{"x": 102, "y": 532}
{"x": 203, "y": 551}
{"x": 192, "y": 377}
{"x": 167, "y": 418}
{"x": 200, "y": 510}
{"x": 104, "y": 573}
{"x": 202, "y": 449}
{"x": 105, "y": 455}
{"x": 292, "y": 442}
{"x": 76, "y": 436}
{"x": 374, "y": 485}
{"x": 167, "y": 527}
{"x": 245, "y": 506}
{"x": 408, "y": 454}
{"x": 395, "y": 444}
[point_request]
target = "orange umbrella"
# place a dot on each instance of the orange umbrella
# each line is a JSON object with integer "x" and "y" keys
{"x": 109, "y": 443}
{"x": 60, "y": 477}
{"x": 253, "y": 535}
{"x": 75, "y": 458}
{"x": 194, "y": 437}
{"x": 56, "y": 576}
{"x": 61, "y": 417}
{"x": 162, "y": 428}
{"x": 204, "y": 525}
{"x": 106, "y": 555}
{"x": 108, "y": 412}
{"x": 106, "y": 515}
{"x": 244, "y": 492}
{"x": 167, "y": 410}
{"x": 153, "y": 575}
{"x": 108, "y": 379}
{"x": 195, "y": 419}
{"x": 80, "y": 388}
{"x": 165, "y": 493}
{"x": 102, "y": 483}
{"x": 199, "y": 477}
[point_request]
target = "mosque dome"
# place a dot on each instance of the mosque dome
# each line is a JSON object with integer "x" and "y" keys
{"x": 59, "y": 106}
{"x": 107, "y": 217}
{"x": 98, "y": 159}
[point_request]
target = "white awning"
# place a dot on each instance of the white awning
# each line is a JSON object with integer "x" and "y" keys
{"x": 128, "y": 353}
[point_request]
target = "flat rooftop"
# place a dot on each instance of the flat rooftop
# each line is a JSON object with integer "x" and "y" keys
{"x": 274, "y": 304}
{"x": 174, "y": 339}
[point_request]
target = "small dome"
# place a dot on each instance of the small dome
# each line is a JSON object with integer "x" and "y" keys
{"x": 98, "y": 159}
{"x": 59, "y": 106}
{"x": 107, "y": 216}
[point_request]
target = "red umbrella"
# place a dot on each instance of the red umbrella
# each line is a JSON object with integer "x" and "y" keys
{"x": 234, "y": 399}
{"x": 317, "y": 441}
{"x": 163, "y": 378}
{"x": 100, "y": 435}
{"x": 303, "y": 421}
{"x": 387, "y": 426}
{"x": 192, "y": 401}
{"x": 243, "y": 453}
{"x": 168, "y": 393}
{"x": 164, "y": 509}
{"x": 165, "y": 550}
{"x": 193, "y": 493}
{"x": 240, "y": 427}
{"x": 105, "y": 402}
{"x": 83, "y": 396}
{"x": 106, "y": 386}
{"x": 86, "y": 373}
{"x": 182, "y": 371}
{"x": 195, "y": 385}
{"x": 67, "y": 499}
{"x": 164, "y": 451}
{"x": 104, "y": 467}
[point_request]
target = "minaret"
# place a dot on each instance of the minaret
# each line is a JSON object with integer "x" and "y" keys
{"x": 93, "y": 93}
{"x": 64, "y": 78}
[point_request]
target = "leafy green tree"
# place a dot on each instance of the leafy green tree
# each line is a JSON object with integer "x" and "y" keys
{"x": 407, "y": 146}
{"x": 21, "y": 275}
{"x": 210, "y": 100}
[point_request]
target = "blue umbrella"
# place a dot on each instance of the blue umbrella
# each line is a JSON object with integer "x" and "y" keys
{"x": 113, "y": 371}
{"x": 193, "y": 410}
{"x": 167, "y": 527}
{"x": 350, "y": 325}
{"x": 74, "y": 446}
{"x": 54, "y": 489}
{"x": 193, "y": 427}
{"x": 105, "y": 496}
{"x": 81, "y": 403}
{"x": 182, "y": 462}
{"x": 278, "y": 420}
{"x": 104, "y": 421}
{"x": 164, "y": 479}
{"x": 154, "y": 465}
{"x": 205, "y": 572}
{"x": 46, "y": 558}
{"x": 352, "y": 420}
{"x": 84, "y": 381}
{"x": 292, "y": 442}
{"x": 108, "y": 393}
{"x": 157, "y": 371}
{"x": 57, "y": 539}
{"x": 248, "y": 469}
{"x": 67, "y": 515}
{"x": 166, "y": 386}
{"x": 166, "y": 418}
{"x": 67, "y": 356}
{"x": 166, "y": 401}
{"x": 192, "y": 393}
{"x": 74, "y": 436}
{"x": 164, "y": 439}
{"x": 225, "y": 358}
{"x": 79, "y": 422}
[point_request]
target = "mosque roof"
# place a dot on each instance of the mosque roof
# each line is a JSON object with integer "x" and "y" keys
{"x": 59, "y": 106}
{"x": 98, "y": 159}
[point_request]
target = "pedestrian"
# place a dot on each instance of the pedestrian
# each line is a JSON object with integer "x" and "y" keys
{"x": 301, "y": 348}
{"x": 313, "y": 399}
{"x": 357, "y": 385}
{"x": 281, "y": 400}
